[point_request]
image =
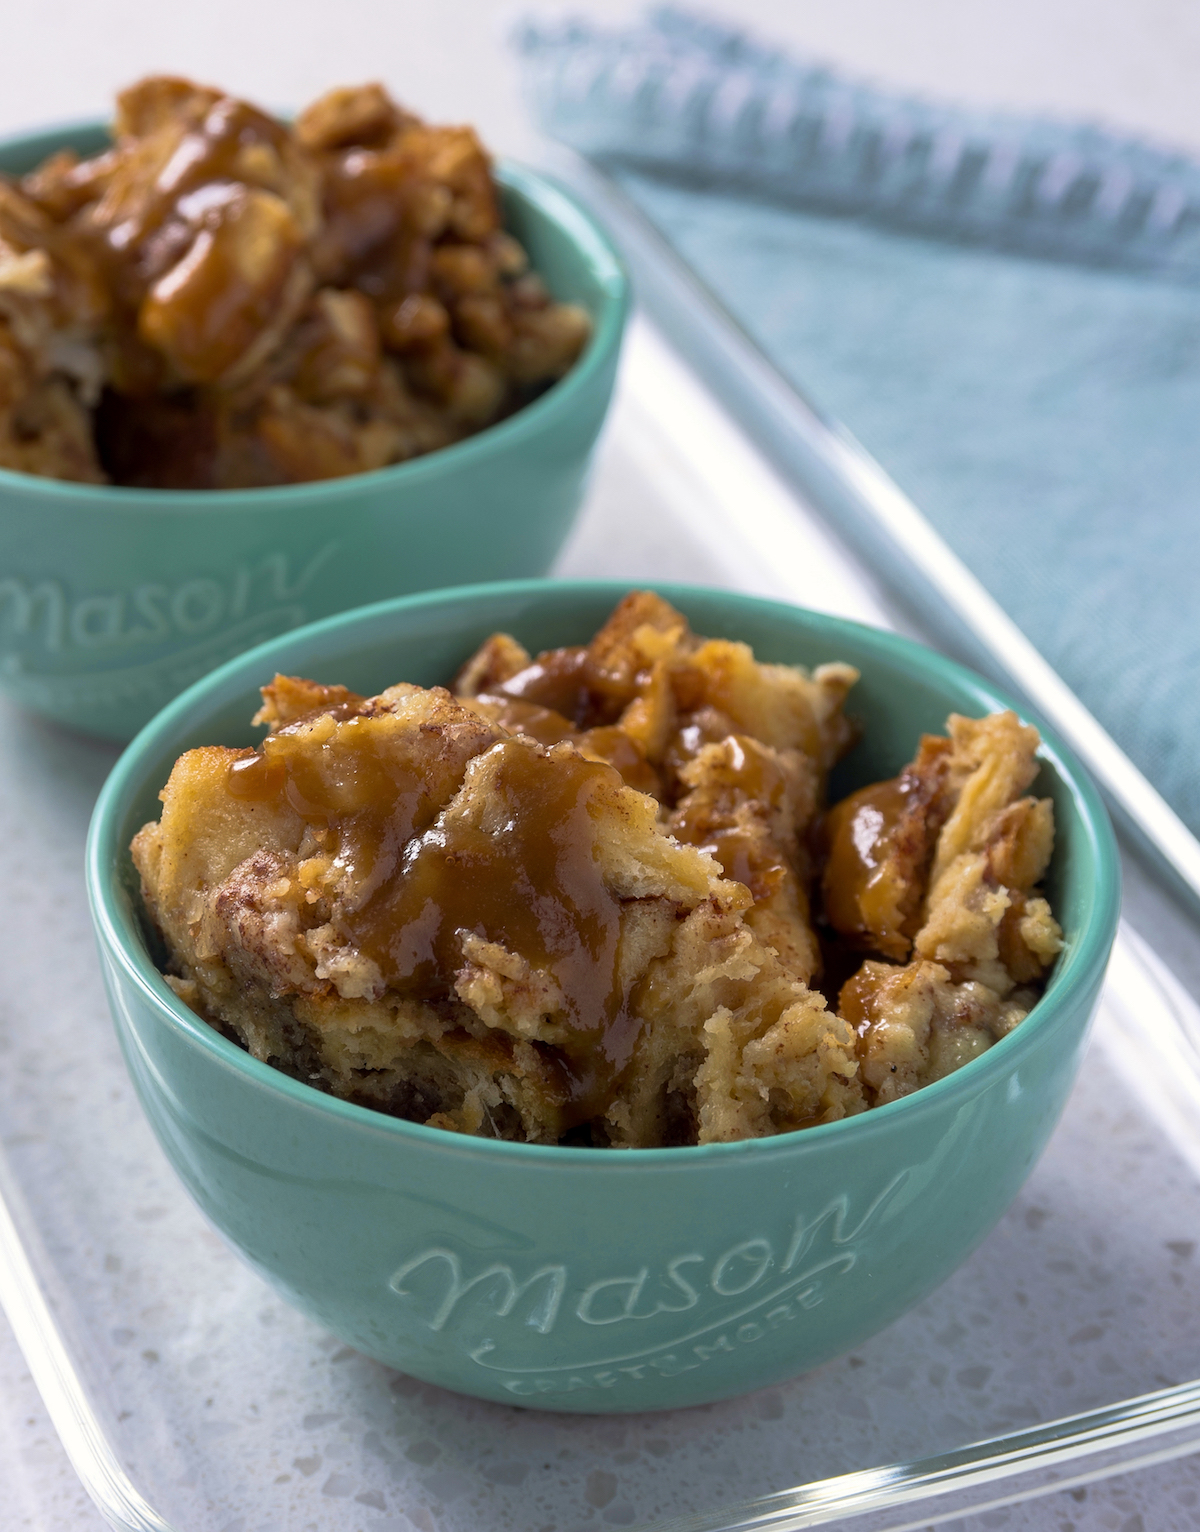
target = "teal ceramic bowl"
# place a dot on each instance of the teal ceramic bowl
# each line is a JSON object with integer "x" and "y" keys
{"x": 113, "y": 600}
{"x": 593, "y": 1280}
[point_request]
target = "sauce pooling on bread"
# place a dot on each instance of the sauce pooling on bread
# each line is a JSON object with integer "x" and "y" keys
{"x": 530, "y": 882}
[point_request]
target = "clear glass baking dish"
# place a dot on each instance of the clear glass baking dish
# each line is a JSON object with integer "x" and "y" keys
{"x": 190, "y": 1398}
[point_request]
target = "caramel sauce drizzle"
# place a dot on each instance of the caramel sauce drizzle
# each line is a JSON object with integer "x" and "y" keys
{"x": 565, "y": 695}
{"x": 747, "y": 853}
{"x": 861, "y": 830}
{"x": 529, "y": 881}
{"x": 569, "y": 682}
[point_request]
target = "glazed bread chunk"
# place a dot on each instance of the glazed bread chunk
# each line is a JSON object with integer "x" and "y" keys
{"x": 940, "y": 867}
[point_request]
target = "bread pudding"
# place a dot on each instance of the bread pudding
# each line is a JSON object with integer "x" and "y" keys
{"x": 222, "y": 299}
{"x": 597, "y": 896}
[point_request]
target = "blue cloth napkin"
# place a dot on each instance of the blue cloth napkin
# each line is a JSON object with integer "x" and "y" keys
{"x": 1006, "y": 312}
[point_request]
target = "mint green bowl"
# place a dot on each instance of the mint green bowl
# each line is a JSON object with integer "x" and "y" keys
{"x": 112, "y": 600}
{"x": 575, "y": 1279}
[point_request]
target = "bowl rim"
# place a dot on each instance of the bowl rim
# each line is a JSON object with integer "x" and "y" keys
{"x": 545, "y": 195}
{"x": 120, "y": 944}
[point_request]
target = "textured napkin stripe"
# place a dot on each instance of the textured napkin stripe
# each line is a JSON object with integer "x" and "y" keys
{"x": 696, "y": 98}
